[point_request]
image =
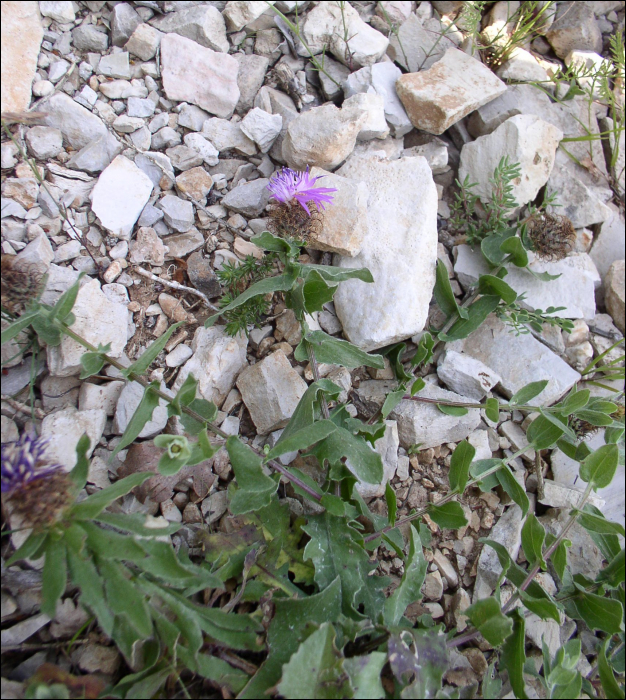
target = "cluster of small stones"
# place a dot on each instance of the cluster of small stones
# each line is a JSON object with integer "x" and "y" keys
{"x": 162, "y": 162}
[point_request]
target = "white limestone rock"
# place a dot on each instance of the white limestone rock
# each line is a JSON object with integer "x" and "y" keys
{"x": 324, "y": 136}
{"x": 127, "y": 403}
{"x": 614, "y": 293}
{"x": 494, "y": 345}
{"x": 61, "y": 11}
{"x": 526, "y": 140}
{"x": 345, "y": 222}
{"x": 100, "y": 396}
{"x": 249, "y": 198}
{"x": 240, "y": 13}
{"x": 203, "y": 147}
{"x": 373, "y": 106}
{"x": 608, "y": 244}
{"x": 78, "y": 125}
{"x": 196, "y": 74}
{"x": 522, "y": 65}
{"x": 575, "y": 28}
{"x": 64, "y": 429}
{"x": 217, "y": 361}
{"x": 203, "y": 24}
{"x": 225, "y": 135}
{"x": 425, "y": 424}
{"x": 121, "y": 193}
{"x": 271, "y": 390}
{"x": 144, "y": 42}
{"x": 449, "y": 90}
{"x": 465, "y": 375}
{"x": 418, "y": 45}
{"x": 387, "y": 448}
{"x": 262, "y": 127}
{"x": 400, "y": 250}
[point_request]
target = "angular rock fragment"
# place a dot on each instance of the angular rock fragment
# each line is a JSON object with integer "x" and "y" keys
{"x": 203, "y": 24}
{"x": 466, "y": 375}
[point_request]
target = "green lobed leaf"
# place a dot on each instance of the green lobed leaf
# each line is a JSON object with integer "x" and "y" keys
{"x": 255, "y": 488}
{"x": 514, "y": 248}
{"x": 533, "y": 537}
{"x": 93, "y": 505}
{"x": 613, "y": 574}
{"x": 410, "y": 587}
{"x": 424, "y": 351}
{"x": 15, "y": 328}
{"x": 93, "y": 362}
{"x": 452, "y": 410}
{"x": 317, "y": 292}
{"x": 275, "y": 244}
{"x": 364, "y": 673}
{"x": 460, "y": 462}
{"x": 392, "y": 399}
{"x": 303, "y": 438}
{"x": 477, "y": 313}
{"x": 600, "y": 466}
{"x": 78, "y": 475}
{"x": 444, "y": 294}
{"x": 335, "y": 351}
{"x": 492, "y": 409}
{"x": 612, "y": 689}
{"x": 490, "y": 246}
{"x": 316, "y": 669}
{"x": 575, "y": 401}
{"x": 339, "y": 274}
{"x": 512, "y": 486}
{"x": 54, "y": 576}
{"x": 598, "y": 612}
{"x": 599, "y": 524}
{"x": 528, "y": 393}
{"x": 448, "y": 515}
{"x": 543, "y": 433}
{"x": 124, "y": 598}
{"x": 143, "y": 414}
{"x": 490, "y": 284}
{"x": 362, "y": 461}
{"x": 514, "y": 654}
{"x": 489, "y": 620}
{"x": 280, "y": 283}
{"x": 426, "y": 664}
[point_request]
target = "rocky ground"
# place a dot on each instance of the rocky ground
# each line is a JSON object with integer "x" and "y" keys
{"x": 163, "y": 122}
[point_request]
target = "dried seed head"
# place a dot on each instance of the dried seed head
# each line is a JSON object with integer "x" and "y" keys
{"x": 552, "y": 235}
{"x": 21, "y": 284}
{"x": 582, "y": 428}
{"x": 292, "y": 221}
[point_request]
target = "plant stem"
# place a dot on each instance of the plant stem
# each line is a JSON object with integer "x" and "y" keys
{"x": 196, "y": 416}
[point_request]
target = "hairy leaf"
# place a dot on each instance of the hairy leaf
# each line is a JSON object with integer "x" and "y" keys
{"x": 600, "y": 466}
{"x": 460, "y": 462}
{"x": 528, "y": 392}
{"x": 448, "y": 515}
{"x": 335, "y": 351}
{"x": 410, "y": 586}
{"x": 54, "y": 576}
{"x": 598, "y": 612}
{"x": 255, "y": 488}
{"x": 147, "y": 358}
{"x": 488, "y": 619}
{"x": 477, "y": 313}
{"x": 533, "y": 536}
{"x": 143, "y": 414}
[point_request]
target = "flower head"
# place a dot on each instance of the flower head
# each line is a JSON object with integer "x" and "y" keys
{"x": 552, "y": 235}
{"x": 24, "y": 461}
{"x": 293, "y": 185}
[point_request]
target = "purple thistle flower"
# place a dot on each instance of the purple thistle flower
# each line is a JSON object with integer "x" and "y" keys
{"x": 24, "y": 461}
{"x": 290, "y": 185}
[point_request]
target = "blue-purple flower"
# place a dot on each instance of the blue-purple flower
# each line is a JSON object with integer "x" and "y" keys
{"x": 24, "y": 461}
{"x": 290, "y": 185}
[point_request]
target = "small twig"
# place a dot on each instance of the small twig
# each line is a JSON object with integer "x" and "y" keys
{"x": 175, "y": 285}
{"x": 539, "y": 475}
{"x": 20, "y": 407}
{"x": 237, "y": 661}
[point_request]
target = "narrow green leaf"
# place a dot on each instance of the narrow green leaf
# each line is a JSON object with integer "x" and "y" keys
{"x": 543, "y": 433}
{"x": 65, "y": 304}
{"x": 444, "y": 294}
{"x": 308, "y": 408}
{"x": 124, "y": 598}
{"x": 598, "y": 523}
{"x": 598, "y": 612}
{"x": 364, "y": 672}
{"x": 143, "y": 414}
{"x": 424, "y": 351}
{"x": 452, "y": 410}
{"x": 79, "y": 473}
{"x": 608, "y": 544}
{"x": 597, "y": 418}
{"x": 460, "y": 462}
{"x": 612, "y": 689}
{"x": 410, "y": 587}
{"x": 614, "y": 572}
{"x": 448, "y": 515}
{"x": 137, "y": 524}
{"x": 574, "y": 402}
{"x": 108, "y": 544}
{"x": 514, "y": 654}
{"x": 340, "y": 274}
{"x": 280, "y": 283}
{"x": 559, "y": 422}
{"x": 542, "y": 607}
{"x": 221, "y": 673}
{"x": 512, "y": 486}
{"x": 317, "y": 292}
{"x": 275, "y": 244}
{"x": 394, "y": 355}
{"x": 492, "y": 409}
{"x": 363, "y": 462}
{"x": 488, "y": 619}
{"x": 600, "y": 466}
{"x": 54, "y": 576}
{"x": 255, "y": 488}
{"x": 93, "y": 505}
{"x": 417, "y": 386}
{"x": 513, "y": 246}
{"x": 335, "y": 351}
{"x": 392, "y": 399}
{"x": 477, "y": 313}
{"x": 528, "y": 393}
{"x": 559, "y": 557}
{"x": 34, "y": 542}
{"x": 533, "y": 537}
{"x": 491, "y": 685}
{"x": 303, "y": 438}
{"x": 316, "y": 669}
{"x": 489, "y": 284}
{"x": 15, "y": 328}
{"x": 490, "y": 246}
{"x": 147, "y": 358}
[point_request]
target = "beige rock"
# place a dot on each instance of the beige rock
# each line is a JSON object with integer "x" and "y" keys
{"x": 345, "y": 221}
{"x": 173, "y": 307}
{"x": 239, "y": 13}
{"x": 614, "y": 294}
{"x": 456, "y": 85}
{"x": 324, "y": 136}
{"x": 243, "y": 248}
{"x": 23, "y": 190}
{"x": 147, "y": 248}
{"x": 271, "y": 390}
{"x": 196, "y": 183}
{"x": 21, "y": 37}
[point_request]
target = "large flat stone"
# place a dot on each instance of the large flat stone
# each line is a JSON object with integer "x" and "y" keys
{"x": 78, "y": 125}
{"x": 423, "y": 423}
{"x": 494, "y": 344}
{"x": 64, "y": 429}
{"x": 203, "y": 24}
{"x": 399, "y": 249}
{"x": 449, "y": 90}
{"x": 21, "y": 37}
{"x": 196, "y": 74}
